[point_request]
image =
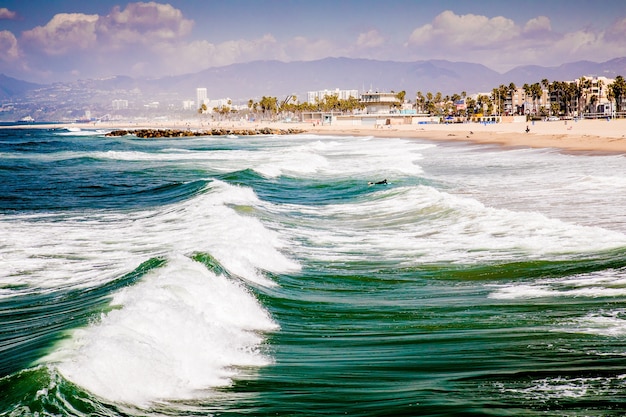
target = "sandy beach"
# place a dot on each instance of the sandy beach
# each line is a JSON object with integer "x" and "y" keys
{"x": 595, "y": 136}
{"x": 583, "y": 135}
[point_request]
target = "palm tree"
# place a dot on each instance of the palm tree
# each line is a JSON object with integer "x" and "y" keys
{"x": 536, "y": 92}
{"x": 583, "y": 93}
{"x": 618, "y": 91}
{"x": 420, "y": 102}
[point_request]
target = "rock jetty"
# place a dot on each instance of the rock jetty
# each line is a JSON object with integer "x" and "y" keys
{"x": 176, "y": 133}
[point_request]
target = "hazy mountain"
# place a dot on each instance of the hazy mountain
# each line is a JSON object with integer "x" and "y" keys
{"x": 11, "y": 87}
{"x": 274, "y": 78}
{"x": 567, "y": 72}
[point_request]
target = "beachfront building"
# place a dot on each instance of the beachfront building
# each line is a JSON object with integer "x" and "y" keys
{"x": 380, "y": 102}
{"x": 595, "y": 95}
{"x": 314, "y": 97}
{"x": 522, "y": 101}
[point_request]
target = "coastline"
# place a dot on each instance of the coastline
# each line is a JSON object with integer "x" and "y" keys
{"x": 590, "y": 136}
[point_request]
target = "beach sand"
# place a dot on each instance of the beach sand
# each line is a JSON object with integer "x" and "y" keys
{"x": 600, "y": 136}
{"x": 591, "y": 136}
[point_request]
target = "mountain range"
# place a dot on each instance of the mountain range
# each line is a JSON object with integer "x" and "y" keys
{"x": 275, "y": 78}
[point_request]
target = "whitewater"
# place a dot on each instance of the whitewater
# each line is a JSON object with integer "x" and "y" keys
{"x": 265, "y": 275}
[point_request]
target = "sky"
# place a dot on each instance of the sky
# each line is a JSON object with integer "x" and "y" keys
{"x": 47, "y": 41}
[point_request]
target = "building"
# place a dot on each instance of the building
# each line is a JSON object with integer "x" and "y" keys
{"x": 318, "y": 96}
{"x": 119, "y": 104}
{"x": 519, "y": 102}
{"x": 380, "y": 102}
{"x": 595, "y": 95}
{"x": 201, "y": 97}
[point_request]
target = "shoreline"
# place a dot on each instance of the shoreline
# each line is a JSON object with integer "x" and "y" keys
{"x": 589, "y": 136}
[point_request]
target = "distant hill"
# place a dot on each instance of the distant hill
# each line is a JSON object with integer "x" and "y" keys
{"x": 275, "y": 78}
{"x": 252, "y": 80}
{"x": 567, "y": 72}
{"x": 12, "y": 87}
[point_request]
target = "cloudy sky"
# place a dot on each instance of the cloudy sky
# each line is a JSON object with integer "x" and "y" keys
{"x": 60, "y": 40}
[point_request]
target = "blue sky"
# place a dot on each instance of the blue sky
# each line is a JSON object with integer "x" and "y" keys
{"x": 60, "y": 40}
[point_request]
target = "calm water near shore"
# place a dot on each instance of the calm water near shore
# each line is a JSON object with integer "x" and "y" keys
{"x": 263, "y": 276}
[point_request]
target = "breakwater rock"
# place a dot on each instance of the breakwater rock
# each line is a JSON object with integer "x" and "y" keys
{"x": 176, "y": 133}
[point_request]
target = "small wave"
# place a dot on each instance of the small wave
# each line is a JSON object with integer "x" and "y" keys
{"x": 76, "y": 131}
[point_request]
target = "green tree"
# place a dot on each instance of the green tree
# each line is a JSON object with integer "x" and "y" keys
{"x": 401, "y": 96}
{"x": 268, "y": 105}
{"x": 618, "y": 91}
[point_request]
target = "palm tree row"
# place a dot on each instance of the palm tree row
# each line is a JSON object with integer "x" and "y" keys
{"x": 565, "y": 98}
{"x": 289, "y": 106}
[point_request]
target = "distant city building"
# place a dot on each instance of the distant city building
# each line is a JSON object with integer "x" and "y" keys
{"x": 313, "y": 96}
{"x": 189, "y": 105}
{"x": 218, "y": 103}
{"x": 119, "y": 104}
{"x": 201, "y": 97}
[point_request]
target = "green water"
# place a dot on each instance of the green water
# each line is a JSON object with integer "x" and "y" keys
{"x": 263, "y": 276}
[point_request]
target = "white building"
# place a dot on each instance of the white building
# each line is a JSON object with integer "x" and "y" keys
{"x": 312, "y": 96}
{"x": 119, "y": 104}
{"x": 201, "y": 97}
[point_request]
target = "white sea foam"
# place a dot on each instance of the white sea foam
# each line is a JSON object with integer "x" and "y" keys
{"x": 422, "y": 224}
{"x": 178, "y": 333}
{"x": 559, "y": 388}
{"x": 333, "y": 158}
{"x": 75, "y": 131}
{"x": 608, "y": 323}
{"x": 606, "y": 283}
{"x": 91, "y": 248}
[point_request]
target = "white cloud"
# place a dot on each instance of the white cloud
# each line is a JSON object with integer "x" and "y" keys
{"x": 465, "y": 31}
{"x": 538, "y": 25}
{"x": 370, "y": 39}
{"x": 7, "y": 14}
{"x": 143, "y": 23}
{"x": 8, "y": 46}
{"x": 65, "y": 32}
{"x": 501, "y": 44}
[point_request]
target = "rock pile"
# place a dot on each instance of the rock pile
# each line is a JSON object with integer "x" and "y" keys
{"x": 175, "y": 133}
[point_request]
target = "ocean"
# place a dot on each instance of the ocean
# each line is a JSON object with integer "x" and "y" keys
{"x": 264, "y": 275}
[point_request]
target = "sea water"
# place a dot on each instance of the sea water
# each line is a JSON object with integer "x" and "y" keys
{"x": 264, "y": 276}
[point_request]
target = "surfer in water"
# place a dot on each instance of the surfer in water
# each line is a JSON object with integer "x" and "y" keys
{"x": 383, "y": 182}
